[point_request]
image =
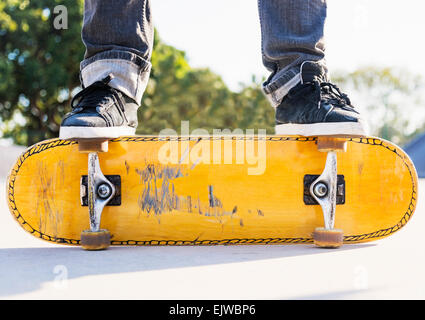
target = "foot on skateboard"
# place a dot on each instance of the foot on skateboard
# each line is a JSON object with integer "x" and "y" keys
{"x": 99, "y": 112}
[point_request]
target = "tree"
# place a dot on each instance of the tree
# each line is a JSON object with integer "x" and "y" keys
{"x": 39, "y": 67}
{"x": 177, "y": 92}
{"x": 390, "y": 100}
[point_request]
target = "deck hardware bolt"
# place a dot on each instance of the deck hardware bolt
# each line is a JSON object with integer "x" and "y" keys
{"x": 320, "y": 189}
{"x": 104, "y": 191}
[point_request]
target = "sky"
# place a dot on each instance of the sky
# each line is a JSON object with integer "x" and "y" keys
{"x": 224, "y": 35}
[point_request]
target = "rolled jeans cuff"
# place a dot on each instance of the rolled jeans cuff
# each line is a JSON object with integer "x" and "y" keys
{"x": 130, "y": 71}
{"x": 279, "y": 86}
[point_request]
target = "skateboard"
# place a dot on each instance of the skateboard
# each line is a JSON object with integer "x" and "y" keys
{"x": 218, "y": 190}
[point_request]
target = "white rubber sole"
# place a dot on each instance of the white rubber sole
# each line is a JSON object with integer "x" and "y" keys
{"x": 95, "y": 132}
{"x": 322, "y": 129}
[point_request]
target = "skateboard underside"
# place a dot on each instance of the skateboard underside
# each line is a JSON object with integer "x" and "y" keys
{"x": 212, "y": 190}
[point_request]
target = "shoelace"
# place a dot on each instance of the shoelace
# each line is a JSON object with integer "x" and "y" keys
{"x": 324, "y": 92}
{"x": 94, "y": 94}
{"x": 339, "y": 97}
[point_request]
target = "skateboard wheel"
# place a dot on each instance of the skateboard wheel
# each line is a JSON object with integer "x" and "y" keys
{"x": 95, "y": 240}
{"x": 328, "y": 238}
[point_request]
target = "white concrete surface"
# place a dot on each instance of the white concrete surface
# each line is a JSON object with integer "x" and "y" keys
{"x": 392, "y": 268}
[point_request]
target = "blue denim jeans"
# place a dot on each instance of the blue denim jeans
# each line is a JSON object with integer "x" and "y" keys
{"x": 118, "y": 35}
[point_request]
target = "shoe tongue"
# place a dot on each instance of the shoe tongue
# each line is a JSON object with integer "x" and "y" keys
{"x": 311, "y": 71}
{"x": 96, "y": 98}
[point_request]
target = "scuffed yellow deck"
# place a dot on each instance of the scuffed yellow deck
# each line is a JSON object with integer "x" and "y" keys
{"x": 207, "y": 194}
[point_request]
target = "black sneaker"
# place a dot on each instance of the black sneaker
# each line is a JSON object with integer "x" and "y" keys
{"x": 316, "y": 107}
{"x": 100, "y": 111}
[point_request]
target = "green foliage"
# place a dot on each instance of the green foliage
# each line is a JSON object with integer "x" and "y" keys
{"x": 177, "y": 92}
{"x": 390, "y": 100}
{"x": 39, "y": 67}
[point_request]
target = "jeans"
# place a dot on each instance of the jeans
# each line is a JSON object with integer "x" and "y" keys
{"x": 118, "y": 35}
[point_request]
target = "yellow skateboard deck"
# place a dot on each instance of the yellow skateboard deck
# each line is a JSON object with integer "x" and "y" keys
{"x": 213, "y": 190}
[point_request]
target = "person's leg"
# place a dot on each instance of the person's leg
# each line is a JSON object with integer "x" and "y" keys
{"x": 291, "y": 33}
{"x": 293, "y": 50}
{"x": 118, "y": 36}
